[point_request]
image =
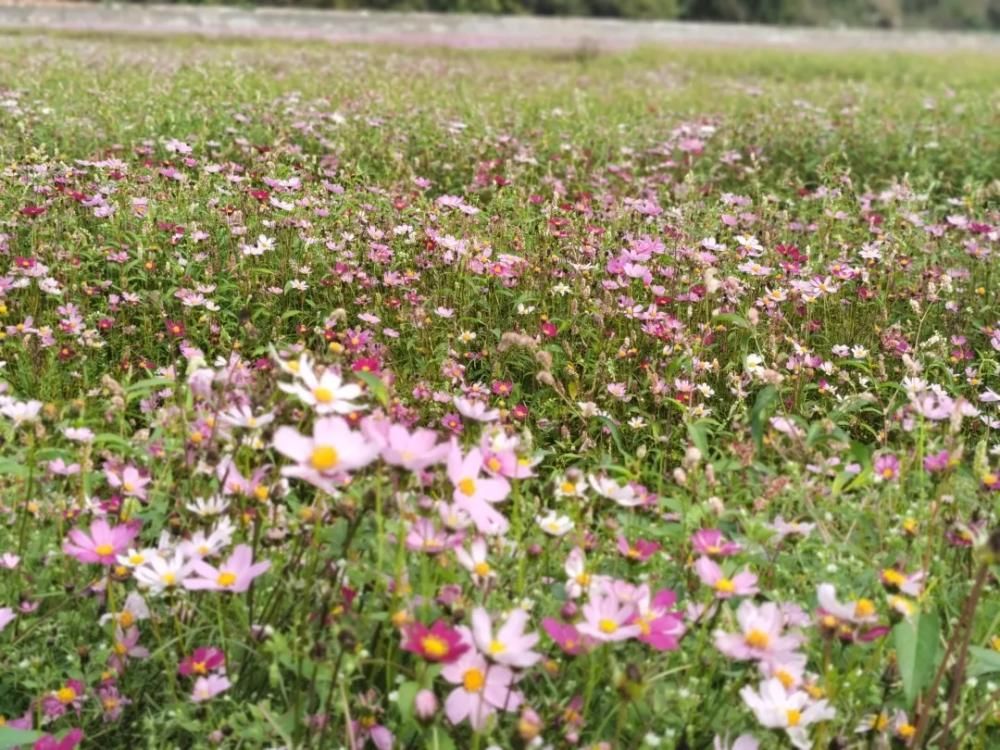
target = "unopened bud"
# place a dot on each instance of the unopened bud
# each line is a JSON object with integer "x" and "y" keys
{"x": 425, "y": 705}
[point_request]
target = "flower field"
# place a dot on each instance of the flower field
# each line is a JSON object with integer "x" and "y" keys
{"x": 402, "y": 398}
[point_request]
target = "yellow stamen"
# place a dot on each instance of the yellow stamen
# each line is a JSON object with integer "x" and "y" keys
{"x": 473, "y": 680}
{"x": 324, "y": 457}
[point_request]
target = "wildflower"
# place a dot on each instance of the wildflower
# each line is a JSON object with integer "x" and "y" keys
{"x": 743, "y": 742}
{"x": 860, "y": 612}
{"x": 777, "y": 708}
{"x": 366, "y": 728}
{"x": 438, "y": 643}
{"x": 235, "y": 574}
{"x": 102, "y": 544}
{"x": 202, "y": 661}
{"x": 160, "y": 573}
{"x": 69, "y": 696}
{"x": 129, "y": 480}
{"x": 206, "y": 688}
{"x": 607, "y": 619}
{"x": 761, "y": 635}
{"x": 742, "y": 584}
{"x": 659, "y": 627}
{"x": 425, "y": 705}
{"x": 567, "y": 487}
{"x": 711, "y": 542}
{"x": 476, "y": 410}
{"x": 886, "y": 468}
{"x": 214, "y": 506}
{"x": 69, "y": 741}
{"x": 640, "y": 551}
{"x": 510, "y": 645}
{"x": 566, "y": 636}
{"x": 626, "y": 496}
{"x": 784, "y": 528}
{"x": 424, "y": 536}
{"x": 7, "y": 616}
{"x": 414, "y": 451}
{"x": 475, "y": 561}
{"x": 474, "y": 493}
{"x": 896, "y": 580}
{"x": 554, "y": 524}
{"x": 326, "y": 393}
{"x": 481, "y": 689}
{"x": 333, "y": 450}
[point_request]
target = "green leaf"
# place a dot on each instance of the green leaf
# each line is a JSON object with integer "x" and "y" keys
{"x": 10, "y": 737}
{"x": 698, "y": 434}
{"x": 765, "y": 400}
{"x": 14, "y": 468}
{"x": 917, "y": 652}
{"x": 439, "y": 740}
{"x": 376, "y": 386}
{"x": 984, "y": 661}
{"x": 405, "y": 695}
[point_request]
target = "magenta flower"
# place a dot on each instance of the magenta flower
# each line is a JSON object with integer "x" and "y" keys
{"x": 367, "y": 729}
{"x": 761, "y": 635}
{"x": 69, "y": 741}
{"x": 206, "y": 688}
{"x": 510, "y": 645}
{"x": 126, "y": 646}
{"x": 566, "y": 636}
{"x": 474, "y": 493}
{"x": 439, "y": 643}
{"x": 235, "y": 574}
{"x": 205, "y": 659}
{"x": 69, "y": 696}
{"x": 481, "y": 690}
{"x": 659, "y": 626}
{"x": 639, "y": 551}
{"x": 742, "y": 584}
{"x": 713, "y": 543}
{"x": 103, "y": 544}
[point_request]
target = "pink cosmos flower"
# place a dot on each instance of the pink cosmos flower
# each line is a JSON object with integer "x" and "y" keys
{"x": 424, "y": 536}
{"x": 205, "y": 659}
{"x": 860, "y": 612}
{"x": 206, "y": 688}
{"x": 761, "y": 635}
{"x": 7, "y": 616}
{"x": 510, "y": 645}
{"x": 129, "y": 479}
{"x": 886, "y": 468}
{"x": 126, "y": 646}
{"x": 367, "y": 729}
{"x": 438, "y": 643}
{"x": 414, "y": 451}
{"x": 742, "y": 584}
{"x": 777, "y": 708}
{"x": 566, "y": 636}
{"x": 69, "y": 741}
{"x": 713, "y": 543}
{"x": 476, "y": 561}
{"x": 640, "y": 551}
{"x": 325, "y": 459}
{"x": 607, "y": 619}
{"x": 476, "y": 410}
{"x": 235, "y": 574}
{"x": 474, "y": 493}
{"x": 103, "y": 543}
{"x": 659, "y": 627}
{"x": 69, "y": 696}
{"x": 481, "y": 689}
{"x": 743, "y": 742}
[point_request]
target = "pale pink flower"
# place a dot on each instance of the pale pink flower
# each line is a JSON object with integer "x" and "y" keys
{"x": 324, "y": 459}
{"x": 510, "y": 645}
{"x": 777, "y": 708}
{"x": 474, "y": 493}
{"x": 761, "y": 635}
{"x": 235, "y": 574}
{"x": 607, "y": 619}
{"x": 741, "y": 584}
{"x": 482, "y": 688}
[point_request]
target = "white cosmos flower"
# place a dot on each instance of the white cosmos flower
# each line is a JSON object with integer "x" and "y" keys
{"x": 555, "y": 525}
{"x": 326, "y": 393}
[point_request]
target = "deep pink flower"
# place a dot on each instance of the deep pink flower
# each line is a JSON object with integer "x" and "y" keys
{"x": 439, "y": 643}
{"x": 70, "y": 740}
{"x": 566, "y": 636}
{"x": 205, "y": 659}
{"x": 640, "y": 551}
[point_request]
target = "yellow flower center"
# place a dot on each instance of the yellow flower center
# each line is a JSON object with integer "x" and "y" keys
{"x": 260, "y": 492}
{"x": 434, "y": 646}
{"x": 794, "y": 716}
{"x": 104, "y": 550}
{"x": 168, "y": 578}
{"x": 568, "y": 488}
{"x": 607, "y": 626}
{"x": 906, "y": 730}
{"x": 880, "y": 723}
{"x": 714, "y": 550}
{"x": 757, "y": 639}
{"x": 473, "y": 680}
{"x": 893, "y": 577}
{"x": 322, "y": 395}
{"x": 481, "y": 569}
{"x": 864, "y": 608}
{"x": 136, "y": 558}
{"x": 120, "y": 648}
{"x": 725, "y": 585}
{"x": 199, "y": 667}
{"x": 887, "y": 473}
{"x": 496, "y": 647}
{"x": 126, "y": 619}
{"x": 128, "y": 487}
{"x": 66, "y": 695}
{"x": 467, "y": 486}
{"x": 324, "y": 457}
{"x": 226, "y": 578}
{"x": 786, "y": 678}
{"x": 493, "y": 463}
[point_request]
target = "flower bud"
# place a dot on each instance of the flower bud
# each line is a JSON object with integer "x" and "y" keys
{"x": 425, "y": 705}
